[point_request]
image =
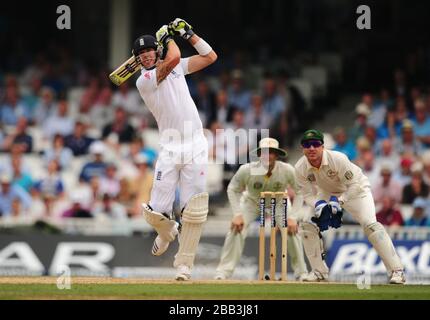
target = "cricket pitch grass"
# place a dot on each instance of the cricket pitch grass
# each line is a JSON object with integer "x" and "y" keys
{"x": 45, "y": 288}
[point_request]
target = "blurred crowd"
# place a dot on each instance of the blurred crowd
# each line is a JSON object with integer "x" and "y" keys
{"x": 390, "y": 141}
{"x": 74, "y": 145}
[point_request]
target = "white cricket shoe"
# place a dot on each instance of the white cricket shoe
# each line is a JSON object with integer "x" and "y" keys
{"x": 160, "y": 245}
{"x": 220, "y": 276}
{"x": 315, "y": 276}
{"x": 183, "y": 273}
{"x": 398, "y": 277}
{"x": 302, "y": 276}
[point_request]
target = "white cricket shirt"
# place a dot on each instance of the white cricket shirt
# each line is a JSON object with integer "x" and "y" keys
{"x": 172, "y": 106}
{"x": 336, "y": 176}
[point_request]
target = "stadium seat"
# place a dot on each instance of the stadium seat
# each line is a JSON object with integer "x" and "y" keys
{"x": 305, "y": 88}
{"x": 333, "y": 63}
{"x": 317, "y": 75}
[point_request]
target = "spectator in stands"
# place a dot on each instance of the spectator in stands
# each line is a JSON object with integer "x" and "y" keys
{"x": 20, "y": 137}
{"x": 425, "y": 158}
{"x": 46, "y": 106}
{"x": 60, "y": 122}
{"x": 237, "y": 153}
{"x": 12, "y": 108}
{"x": 11, "y": 193}
{"x": 32, "y": 99}
{"x": 389, "y": 215}
{"x": 390, "y": 128}
{"x": 273, "y": 102}
{"x": 101, "y": 111}
{"x": 2, "y": 136}
{"x": 362, "y": 112}
{"x": 20, "y": 177}
{"x": 419, "y": 217}
{"x": 96, "y": 167}
{"x": 387, "y": 186}
{"x": 417, "y": 187}
{"x": 401, "y": 110}
{"x": 386, "y": 153}
{"x": 422, "y": 123}
{"x": 119, "y": 128}
{"x": 257, "y": 117}
{"x": 78, "y": 141}
{"x": 386, "y": 99}
{"x": 77, "y": 209}
{"x": 223, "y": 109}
{"x": 216, "y": 142}
{"x": 51, "y": 184}
{"x": 149, "y": 152}
{"x": 139, "y": 188}
{"x": 376, "y": 111}
{"x": 58, "y": 152}
{"x": 238, "y": 96}
{"x": 343, "y": 144}
{"x": 404, "y": 174}
{"x": 109, "y": 182}
{"x": 90, "y": 95}
{"x": 205, "y": 102}
{"x": 362, "y": 146}
{"x": 108, "y": 207}
{"x": 370, "y": 135}
{"x": 366, "y": 162}
{"x": 408, "y": 144}
{"x": 127, "y": 98}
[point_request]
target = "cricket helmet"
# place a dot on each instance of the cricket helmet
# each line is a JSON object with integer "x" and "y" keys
{"x": 145, "y": 42}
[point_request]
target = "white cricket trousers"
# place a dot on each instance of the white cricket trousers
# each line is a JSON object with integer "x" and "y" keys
{"x": 184, "y": 169}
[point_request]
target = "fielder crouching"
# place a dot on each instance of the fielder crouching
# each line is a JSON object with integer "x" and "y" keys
{"x": 182, "y": 161}
{"x": 244, "y": 194}
{"x": 329, "y": 182}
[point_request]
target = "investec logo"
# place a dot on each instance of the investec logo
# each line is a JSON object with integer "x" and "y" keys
{"x": 91, "y": 256}
{"x": 358, "y": 257}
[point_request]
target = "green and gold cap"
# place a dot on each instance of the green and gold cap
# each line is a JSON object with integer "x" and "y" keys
{"x": 312, "y": 134}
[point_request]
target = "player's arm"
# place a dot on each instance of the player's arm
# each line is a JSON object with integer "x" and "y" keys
{"x": 349, "y": 175}
{"x": 236, "y": 187}
{"x": 304, "y": 188}
{"x": 234, "y": 192}
{"x": 173, "y": 55}
{"x": 206, "y": 54}
{"x": 199, "y": 61}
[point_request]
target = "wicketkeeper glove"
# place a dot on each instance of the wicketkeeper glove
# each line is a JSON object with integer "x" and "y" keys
{"x": 323, "y": 213}
{"x": 334, "y": 203}
{"x": 163, "y": 36}
{"x": 337, "y": 213}
{"x": 181, "y": 28}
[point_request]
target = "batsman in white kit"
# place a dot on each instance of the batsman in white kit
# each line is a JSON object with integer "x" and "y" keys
{"x": 244, "y": 189}
{"x": 183, "y": 153}
{"x": 329, "y": 183}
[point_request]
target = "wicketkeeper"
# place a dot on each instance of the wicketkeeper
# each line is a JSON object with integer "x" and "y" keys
{"x": 244, "y": 195}
{"x": 329, "y": 183}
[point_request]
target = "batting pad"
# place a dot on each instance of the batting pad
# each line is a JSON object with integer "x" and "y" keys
{"x": 314, "y": 247}
{"x": 166, "y": 228}
{"x": 383, "y": 245}
{"x": 194, "y": 215}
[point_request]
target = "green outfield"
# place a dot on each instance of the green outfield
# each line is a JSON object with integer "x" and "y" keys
{"x": 109, "y": 288}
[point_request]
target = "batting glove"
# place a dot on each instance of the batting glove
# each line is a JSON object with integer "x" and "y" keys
{"x": 163, "y": 36}
{"x": 181, "y": 28}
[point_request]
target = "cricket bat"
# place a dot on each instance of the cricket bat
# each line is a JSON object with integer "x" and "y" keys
{"x": 125, "y": 71}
